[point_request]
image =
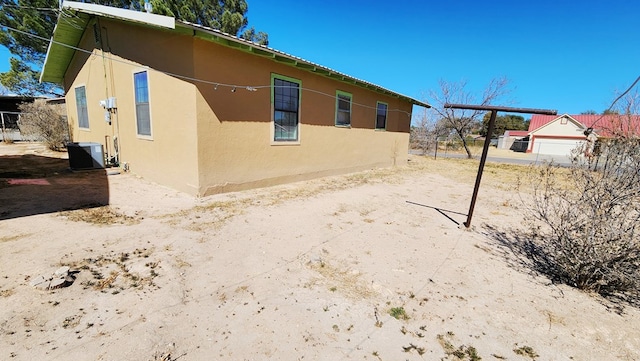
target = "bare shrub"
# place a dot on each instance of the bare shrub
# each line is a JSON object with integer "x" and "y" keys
{"x": 43, "y": 121}
{"x": 425, "y": 133}
{"x": 7, "y": 136}
{"x": 585, "y": 227}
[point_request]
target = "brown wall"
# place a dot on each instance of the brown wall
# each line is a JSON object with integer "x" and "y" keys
{"x": 207, "y": 141}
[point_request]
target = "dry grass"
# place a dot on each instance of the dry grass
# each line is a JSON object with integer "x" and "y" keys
{"x": 7, "y": 293}
{"x": 114, "y": 271}
{"x": 102, "y": 216}
{"x": 14, "y": 237}
{"x": 502, "y": 175}
{"x": 342, "y": 280}
{"x": 217, "y": 213}
{"x": 460, "y": 353}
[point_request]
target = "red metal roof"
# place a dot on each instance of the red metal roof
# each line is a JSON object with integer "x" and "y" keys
{"x": 604, "y": 125}
{"x": 516, "y": 133}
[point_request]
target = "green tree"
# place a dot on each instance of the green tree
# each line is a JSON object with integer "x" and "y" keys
{"x": 589, "y": 112}
{"x": 38, "y": 18}
{"x": 229, "y": 16}
{"x": 503, "y": 123}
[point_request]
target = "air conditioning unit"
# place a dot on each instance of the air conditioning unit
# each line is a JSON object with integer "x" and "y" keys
{"x": 85, "y": 155}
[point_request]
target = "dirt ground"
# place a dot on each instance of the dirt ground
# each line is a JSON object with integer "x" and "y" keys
{"x": 365, "y": 266}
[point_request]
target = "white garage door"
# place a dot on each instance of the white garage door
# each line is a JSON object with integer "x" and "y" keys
{"x": 555, "y": 146}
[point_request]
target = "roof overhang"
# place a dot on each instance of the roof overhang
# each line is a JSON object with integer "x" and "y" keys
{"x": 72, "y": 23}
{"x": 222, "y": 38}
{"x": 71, "y": 26}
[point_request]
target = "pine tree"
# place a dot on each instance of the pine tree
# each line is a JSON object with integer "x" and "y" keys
{"x": 36, "y": 17}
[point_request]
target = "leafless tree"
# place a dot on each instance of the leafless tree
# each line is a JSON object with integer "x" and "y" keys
{"x": 462, "y": 122}
{"x": 43, "y": 121}
{"x": 586, "y": 229}
{"x": 426, "y": 131}
{"x": 625, "y": 121}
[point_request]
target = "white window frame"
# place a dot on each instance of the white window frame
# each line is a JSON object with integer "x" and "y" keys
{"x": 86, "y": 107}
{"x": 135, "y": 104}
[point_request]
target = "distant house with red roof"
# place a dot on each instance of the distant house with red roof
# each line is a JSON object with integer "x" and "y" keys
{"x": 559, "y": 135}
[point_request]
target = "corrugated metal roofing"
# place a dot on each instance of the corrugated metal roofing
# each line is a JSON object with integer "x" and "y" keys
{"x": 217, "y": 36}
{"x": 68, "y": 34}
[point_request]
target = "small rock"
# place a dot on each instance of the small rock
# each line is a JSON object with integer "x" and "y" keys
{"x": 56, "y": 283}
{"x": 36, "y": 281}
{"x": 44, "y": 285}
{"x": 62, "y": 271}
{"x": 315, "y": 259}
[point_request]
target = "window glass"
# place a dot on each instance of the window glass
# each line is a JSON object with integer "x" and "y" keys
{"x": 343, "y": 109}
{"x": 81, "y": 105}
{"x": 381, "y": 116}
{"x": 143, "y": 117}
{"x": 286, "y": 103}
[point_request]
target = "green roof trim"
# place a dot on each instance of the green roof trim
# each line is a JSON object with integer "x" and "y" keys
{"x": 254, "y": 48}
{"x": 65, "y": 34}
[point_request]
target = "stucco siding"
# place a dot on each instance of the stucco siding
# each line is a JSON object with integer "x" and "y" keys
{"x": 235, "y": 147}
{"x": 244, "y": 158}
{"x": 169, "y": 155}
{"x": 206, "y": 138}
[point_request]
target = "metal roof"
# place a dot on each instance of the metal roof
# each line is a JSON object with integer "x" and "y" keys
{"x": 604, "y": 125}
{"x": 220, "y": 37}
{"x": 72, "y": 24}
{"x": 69, "y": 29}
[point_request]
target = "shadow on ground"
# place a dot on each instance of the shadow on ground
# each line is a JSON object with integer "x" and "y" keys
{"x": 33, "y": 184}
{"x": 522, "y": 252}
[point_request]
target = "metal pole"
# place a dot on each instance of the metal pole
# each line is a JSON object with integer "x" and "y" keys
{"x": 483, "y": 159}
{"x": 2, "y": 118}
{"x": 435, "y": 155}
{"x": 485, "y": 148}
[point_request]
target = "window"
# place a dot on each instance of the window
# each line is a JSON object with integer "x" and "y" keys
{"x": 286, "y": 108}
{"x": 143, "y": 117}
{"x": 343, "y": 109}
{"x": 381, "y": 116}
{"x": 81, "y": 105}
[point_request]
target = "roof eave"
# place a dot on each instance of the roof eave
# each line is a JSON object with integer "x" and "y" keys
{"x": 68, "y": 33}
{"x": 279, "y": 56}
{"x": 66, "y": 38}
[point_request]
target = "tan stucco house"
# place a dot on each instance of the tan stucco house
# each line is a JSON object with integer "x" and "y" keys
{"x": 205, "y": 112}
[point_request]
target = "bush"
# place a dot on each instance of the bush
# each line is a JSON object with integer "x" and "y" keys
{"x": 586, "y": 220}
{"x": 44, "y": 122}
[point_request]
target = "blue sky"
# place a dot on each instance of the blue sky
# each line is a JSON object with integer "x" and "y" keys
{"x": 565, "y": 55}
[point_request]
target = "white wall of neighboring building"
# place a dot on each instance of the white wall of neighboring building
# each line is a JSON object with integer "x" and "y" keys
{"x": 558, "y": 137}
{"x": 555, "y": 146}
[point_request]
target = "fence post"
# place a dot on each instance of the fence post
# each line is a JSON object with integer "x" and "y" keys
{"x": 2, "y": 118}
